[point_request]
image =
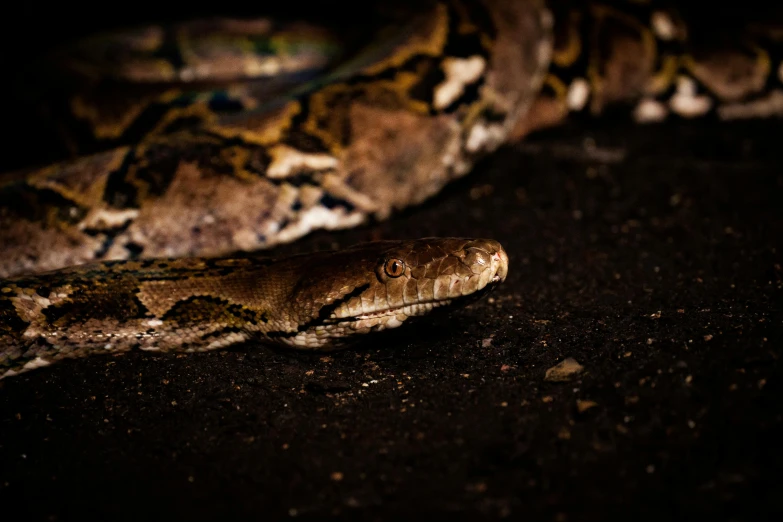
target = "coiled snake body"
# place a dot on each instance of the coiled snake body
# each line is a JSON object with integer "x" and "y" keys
{"x": 384, "y": 130}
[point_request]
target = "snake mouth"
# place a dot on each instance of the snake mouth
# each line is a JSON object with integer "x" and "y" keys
{"x": 411, "y": 310}
{"x": 390, "y": 318}
{"x": 400, "y": 313}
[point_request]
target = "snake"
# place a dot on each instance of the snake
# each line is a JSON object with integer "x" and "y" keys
{"x": 199, "y": 304}
{"x": 221, "y": 138}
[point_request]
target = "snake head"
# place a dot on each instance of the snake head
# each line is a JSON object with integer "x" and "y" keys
{"x": 375, "y": 286}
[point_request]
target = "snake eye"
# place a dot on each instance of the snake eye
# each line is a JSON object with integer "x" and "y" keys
{"x": 394, "y": 267}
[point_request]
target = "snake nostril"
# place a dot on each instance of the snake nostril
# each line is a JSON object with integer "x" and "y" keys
{"x": 500, "y": 261}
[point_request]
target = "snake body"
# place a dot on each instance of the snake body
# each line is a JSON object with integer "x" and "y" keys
{"x": 318, "y": 301}
{"x": 384, "y": 130}
{"x": 375, "y": 138}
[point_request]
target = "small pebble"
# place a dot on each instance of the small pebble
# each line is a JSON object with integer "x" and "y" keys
{"x": 563, "y": 371}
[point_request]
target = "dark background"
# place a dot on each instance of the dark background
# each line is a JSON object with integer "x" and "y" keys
{"x": 649, "y": 254}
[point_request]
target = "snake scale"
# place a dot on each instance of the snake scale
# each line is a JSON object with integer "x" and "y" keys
{"x": 165, "y": 183}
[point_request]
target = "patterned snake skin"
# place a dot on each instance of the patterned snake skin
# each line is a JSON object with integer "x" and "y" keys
{"x": 169, "y": 173}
